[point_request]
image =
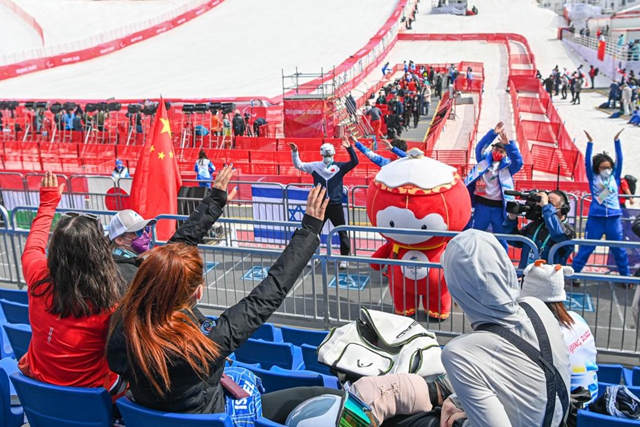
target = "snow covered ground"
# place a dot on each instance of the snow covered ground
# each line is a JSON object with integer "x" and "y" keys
{"x": 66, "y": 21}
{"x": 15, "y": 34}
{"x": 237, "y": 49}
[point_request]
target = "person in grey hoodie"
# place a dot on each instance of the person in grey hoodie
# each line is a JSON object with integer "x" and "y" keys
{"x": 495, "y": 383}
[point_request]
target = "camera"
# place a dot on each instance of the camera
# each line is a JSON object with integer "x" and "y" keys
{"x": 529, "y": 209}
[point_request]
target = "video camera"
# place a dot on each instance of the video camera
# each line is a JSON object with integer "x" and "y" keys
{"x": 530, "y": 208}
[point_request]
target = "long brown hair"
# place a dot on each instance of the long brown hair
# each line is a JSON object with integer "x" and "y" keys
{"x": 155, "y": 317}
{"x": 561, "y": 314}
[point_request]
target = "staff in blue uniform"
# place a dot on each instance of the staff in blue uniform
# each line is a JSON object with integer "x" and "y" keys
{"x": 329, "y": 174}
{"x": 605, "y": 215}
{"x": 204, "y": 170}
{"x": 398, "y": 148}
{"x": 490, "y": 177}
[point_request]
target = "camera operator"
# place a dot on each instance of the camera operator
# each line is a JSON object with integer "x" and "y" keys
{"x": 548, "y": 226}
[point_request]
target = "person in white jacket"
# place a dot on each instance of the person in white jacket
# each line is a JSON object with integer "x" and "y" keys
{"x": 546, "y": 282}
{"x": 495, "y": 382}
{"x": 626, "y": 99}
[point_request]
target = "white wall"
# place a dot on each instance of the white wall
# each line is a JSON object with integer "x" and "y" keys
{"x": 607, "y": 67}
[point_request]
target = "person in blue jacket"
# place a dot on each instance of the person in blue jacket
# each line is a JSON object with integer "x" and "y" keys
{"x": 329, "y": 174}
{"x": 605, "y": 215}
{"x": 635, "y": 117}
{"x": 490, "y": 177}
{"x": 398, "y": 148}
{"x": 204, "y": 170}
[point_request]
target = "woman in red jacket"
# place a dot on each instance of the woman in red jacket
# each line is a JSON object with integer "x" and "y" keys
{"x": 72, "y": 293}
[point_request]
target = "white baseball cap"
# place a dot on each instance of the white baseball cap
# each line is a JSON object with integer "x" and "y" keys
{"x": 127, "y": 221}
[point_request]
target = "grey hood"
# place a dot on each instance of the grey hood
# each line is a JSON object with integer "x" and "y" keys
{"x": 482, "y": 279}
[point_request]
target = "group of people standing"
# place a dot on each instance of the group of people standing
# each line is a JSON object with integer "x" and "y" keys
{"x": 558, "y": 83}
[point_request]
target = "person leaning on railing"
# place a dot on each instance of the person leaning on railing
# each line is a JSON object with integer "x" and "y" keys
{"x": 547, "y": 230}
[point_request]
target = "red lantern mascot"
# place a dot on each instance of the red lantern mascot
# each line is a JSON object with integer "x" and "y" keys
{"x": 418, "y": 193}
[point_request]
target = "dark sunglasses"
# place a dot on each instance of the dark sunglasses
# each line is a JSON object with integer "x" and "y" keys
{"x": 146, "y": 230}
{"x": 77, "y": 214}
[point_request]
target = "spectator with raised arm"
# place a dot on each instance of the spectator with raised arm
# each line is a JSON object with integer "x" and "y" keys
{"x": 605, "y": 215}
{"x": 72, "y": 289}
{"x": 330, "y": 174}
{"x": 490, "y": 177}
{"x": 398, "y": 148}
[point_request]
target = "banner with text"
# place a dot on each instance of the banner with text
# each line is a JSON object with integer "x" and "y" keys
{"x": 304, "y": 118}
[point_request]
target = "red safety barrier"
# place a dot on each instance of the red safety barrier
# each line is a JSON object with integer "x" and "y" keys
{"x": 555, "y": 160}
{"x": 33, "y": 65}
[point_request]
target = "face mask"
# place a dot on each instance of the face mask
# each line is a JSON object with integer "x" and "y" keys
{"x": 497, "y": 156}
{"x": 327, "y": 160}
{"x": 141, "y": 244}
{"x": 606, "y": 173}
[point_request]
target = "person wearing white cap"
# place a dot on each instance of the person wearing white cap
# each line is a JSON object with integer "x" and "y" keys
{"x": 546, "y": 282}
{"x": 130, "y": 233}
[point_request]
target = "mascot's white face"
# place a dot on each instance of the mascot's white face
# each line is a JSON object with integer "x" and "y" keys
{"x": 395, "y": 217}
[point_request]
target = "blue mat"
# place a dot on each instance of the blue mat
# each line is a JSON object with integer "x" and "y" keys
{"x": 578, "y": 302}
{"x": 353, "y": 282}
{"x": 256, "y": 273}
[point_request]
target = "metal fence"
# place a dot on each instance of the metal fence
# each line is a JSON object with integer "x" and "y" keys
{"x": 325, "y": 296}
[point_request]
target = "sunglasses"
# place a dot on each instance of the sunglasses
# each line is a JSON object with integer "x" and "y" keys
{"x": 77, "y": 214}
{"x": 146, "y": 230}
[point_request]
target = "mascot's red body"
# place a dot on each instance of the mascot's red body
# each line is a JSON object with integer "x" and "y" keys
{"x": 419, "y": 193}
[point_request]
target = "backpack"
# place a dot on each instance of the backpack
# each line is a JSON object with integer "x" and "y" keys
{"x": 381, "y": 343}
{"x": 632, "y": 181}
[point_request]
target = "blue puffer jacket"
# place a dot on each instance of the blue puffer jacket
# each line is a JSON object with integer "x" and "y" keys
{"x": 610, "y": 206}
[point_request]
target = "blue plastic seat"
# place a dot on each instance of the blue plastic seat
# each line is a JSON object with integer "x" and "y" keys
{"x": 19, "y": 337}
{"x": 611, "y": 374}
{"x": 263, "y": 422}
{"x": 635, "y": 377}
{"x": 298, "y": 337}
{"x": 274, "y": 381}
{"x": 15, "y": 312}
{"x": 49, "y": 405}
{"x": 237, "y": 364}
{"x": 14, "y": 295}
{"x": 12, "y": 416}
{"x": 329, "y": 381}
{"x": 135, "y": 415}
{"x": 310, "y": 358}
{"x": 268, "y": 332}
{"x": 268, "y": 354}
{"x": 591, "y": 419}
{"x": 602, "y": 386}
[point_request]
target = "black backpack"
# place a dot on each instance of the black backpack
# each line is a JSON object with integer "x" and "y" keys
{"x": 632, "y": 181}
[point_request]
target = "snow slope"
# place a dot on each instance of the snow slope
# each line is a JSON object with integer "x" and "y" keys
{"x": 237, "y": 49}
{"x": 15, "y": 34}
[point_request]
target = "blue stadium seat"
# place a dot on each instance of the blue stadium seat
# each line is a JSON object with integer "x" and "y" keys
{"x": 269, "y": 354}
{"x": 602, "y": 386}
{"x": 274, "y": 381}
{"x": 328, "y": 380}
{"x": 611, "y": 374}
{"x": 591, "y": 419}
{"x": 311, "y": 363}
{"x": 48, "y": 405}
{"x": 298, "y": 337}
{"x": 237, "y": 364}
{"x": 19, "y": 337}
{"x": 263, "y": 422}
{"x": 15, "y": 312}
{"x": 12, "y": 416}
{"x": 635, "y": 377}
{"x": 14, "y": 295}
{"x": 268, "y": 332}
{"x": 135, "y": 415}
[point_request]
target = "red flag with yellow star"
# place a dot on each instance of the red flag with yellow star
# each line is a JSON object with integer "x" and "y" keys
{"x": 156, "y": 181}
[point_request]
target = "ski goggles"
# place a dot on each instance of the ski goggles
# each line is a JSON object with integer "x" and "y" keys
{"x": 356, "y": 413}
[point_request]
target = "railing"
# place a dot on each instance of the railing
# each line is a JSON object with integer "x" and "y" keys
{"x": 325, "y": 296}
{"x": 611, "y": 47}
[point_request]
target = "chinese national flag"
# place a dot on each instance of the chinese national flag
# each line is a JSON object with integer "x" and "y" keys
{"x": 602, "y": 46}
{"x": 155, "y": 186}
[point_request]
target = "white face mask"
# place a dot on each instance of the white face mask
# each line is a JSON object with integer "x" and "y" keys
{"x": 606, "y": 173}
{"x": 327, "y": 160}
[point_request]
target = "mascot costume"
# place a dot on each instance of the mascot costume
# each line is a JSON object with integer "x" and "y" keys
{"x": 419, "y": 193}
